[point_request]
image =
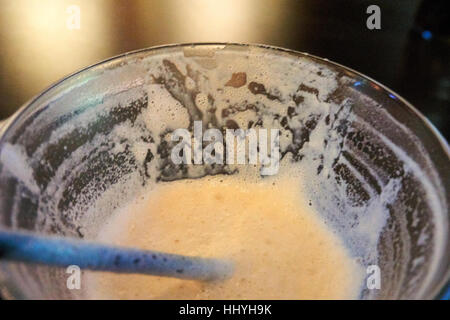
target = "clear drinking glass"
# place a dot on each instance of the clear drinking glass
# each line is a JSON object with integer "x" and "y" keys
{"x": 69, "y": 145}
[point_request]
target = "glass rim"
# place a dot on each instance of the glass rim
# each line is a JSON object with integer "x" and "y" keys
{"x": 10, "y": 120}
{"x": 442, "y": 290}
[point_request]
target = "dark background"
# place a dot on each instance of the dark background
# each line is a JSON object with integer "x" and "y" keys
{"x": 410, "y": 54}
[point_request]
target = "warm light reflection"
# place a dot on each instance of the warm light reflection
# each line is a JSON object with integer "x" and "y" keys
{"x": 37, "y": 47}
{"x": 41, "y": 49}
{"x": 231, "y": 20}
{"x": 46, "y": 21}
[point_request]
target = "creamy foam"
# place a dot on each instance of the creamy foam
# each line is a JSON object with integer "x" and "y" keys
{"x": 280, "y": 247}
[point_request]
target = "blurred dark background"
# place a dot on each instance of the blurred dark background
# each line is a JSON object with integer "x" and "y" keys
{"x": 410, "y": 53}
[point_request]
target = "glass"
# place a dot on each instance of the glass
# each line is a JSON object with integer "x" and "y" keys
{"x": 62, "y": 151}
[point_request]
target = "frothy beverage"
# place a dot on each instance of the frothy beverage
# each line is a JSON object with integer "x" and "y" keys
{"x": 280, "y": 247}
{"x": 128, "y": 155}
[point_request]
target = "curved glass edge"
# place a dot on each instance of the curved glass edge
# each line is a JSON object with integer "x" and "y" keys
{"x": 441, "y": 292}
{"x": 425, "y": 120}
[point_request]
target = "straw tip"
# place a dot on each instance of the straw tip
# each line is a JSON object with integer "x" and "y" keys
{"x": 221, "y": 270}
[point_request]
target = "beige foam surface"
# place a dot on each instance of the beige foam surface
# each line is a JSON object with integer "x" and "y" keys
{"x": 280, "y": 246}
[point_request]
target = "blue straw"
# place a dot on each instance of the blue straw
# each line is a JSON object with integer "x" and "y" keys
{"x": 63, "y": 252}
